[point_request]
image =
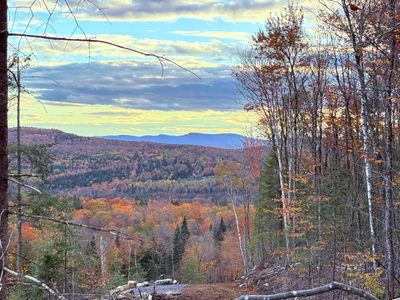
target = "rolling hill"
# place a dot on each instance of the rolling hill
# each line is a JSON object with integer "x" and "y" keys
{"x": 98, "y": 167}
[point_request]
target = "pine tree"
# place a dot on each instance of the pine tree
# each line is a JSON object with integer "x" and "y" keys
{"x": 219, "y": 231}
{"x": 222, "y": 226}
{"x": 181, "y": 237}
{"x": 267, "y": 221}
{"x": 177, "y": 246}
{"x": 184, "y": 231}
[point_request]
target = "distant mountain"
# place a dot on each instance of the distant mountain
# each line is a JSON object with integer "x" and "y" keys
{"x": 222, "y": 140}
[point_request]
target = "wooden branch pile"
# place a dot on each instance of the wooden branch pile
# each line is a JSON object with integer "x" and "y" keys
{"x": 258, "y": 278}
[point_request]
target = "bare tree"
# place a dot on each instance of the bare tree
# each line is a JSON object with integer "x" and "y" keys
{"x": 3, "y": 140}
{"x": 4, "y": 178}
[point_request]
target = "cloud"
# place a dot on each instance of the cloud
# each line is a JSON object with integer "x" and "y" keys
{"x": 170, "y": 10}
{"x": 135, "y": 86}
{"x": 55, "y": 51}
{"x": 232, "y": 35}
{"x": 97, "y": 119}
{"x": 164, "y": 10}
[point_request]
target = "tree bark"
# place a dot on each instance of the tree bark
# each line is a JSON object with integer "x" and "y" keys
{"x": 19, "y": 171}
{"x": 388, "y": 212}
{"x": 311, "y": 292}
{"x": 241, "y": 246}
{"x": 103, "y": 263}
{"x": 3, "y": 141}
{"x": 283, "y": 199}
{"x": 365, "y": 127}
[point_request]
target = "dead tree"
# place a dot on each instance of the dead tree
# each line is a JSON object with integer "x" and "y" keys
{"x": 311, "y": 292}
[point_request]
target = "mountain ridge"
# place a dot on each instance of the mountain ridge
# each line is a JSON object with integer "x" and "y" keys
{"x": 218, "y": 140}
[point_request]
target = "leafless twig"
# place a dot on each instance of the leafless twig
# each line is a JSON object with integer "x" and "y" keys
{"x": 69, "y": 223}
{"x": 24, "y": 184}
{"x": 160, "y": 58}
{"x": 36, "y": 281}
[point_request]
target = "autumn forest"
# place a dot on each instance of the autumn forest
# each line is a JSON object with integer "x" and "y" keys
{"x": 310, "y": 200}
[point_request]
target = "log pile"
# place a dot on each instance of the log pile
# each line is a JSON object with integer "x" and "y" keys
{"x": 261, "y": 278}
{"x": 143, "y": 291}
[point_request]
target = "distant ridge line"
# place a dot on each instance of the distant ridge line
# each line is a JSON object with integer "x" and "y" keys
{"x": 218, "y": 140}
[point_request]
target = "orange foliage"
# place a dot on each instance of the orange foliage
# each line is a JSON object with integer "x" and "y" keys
{"x": 29, "y": 233}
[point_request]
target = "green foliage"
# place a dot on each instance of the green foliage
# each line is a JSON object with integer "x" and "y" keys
{"x": 220, "y": 231}
{"x": 19, "y": 292}
{"x": 184, "y": 231}
{"x": 190, "y": 272}
{"x": 267, "y": 221}
{"x": 181, "y": 237}
{"x": 116, "y": 279}
{"x": 47, "y": 205}
{"x": 147, "y": 229}
{"x": 91, "y": 249}
{"x": 35, "y": 159}
{"x": 50, "y": 263}
{"x": 178, "y": 247}
{"x": 155, "y": 259}
{"x": 138, "y": 273}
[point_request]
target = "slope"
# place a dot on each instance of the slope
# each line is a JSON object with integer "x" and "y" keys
{"x": 98, "y": 167}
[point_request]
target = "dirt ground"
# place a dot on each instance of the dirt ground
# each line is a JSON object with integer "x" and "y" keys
{"x": 218, "y": 291}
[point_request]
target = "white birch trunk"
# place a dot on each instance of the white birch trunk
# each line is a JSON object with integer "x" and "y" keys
{"x": 283, "y": 197}
{"x": 242, "y": 250}
{"x": 364, "y": 127}
{"x": 103, "y": 262}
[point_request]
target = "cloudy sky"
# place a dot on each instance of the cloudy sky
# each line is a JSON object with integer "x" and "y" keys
{"x": 100, "y": 90}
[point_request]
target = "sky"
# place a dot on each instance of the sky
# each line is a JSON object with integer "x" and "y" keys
{"x": 96, "y": 89}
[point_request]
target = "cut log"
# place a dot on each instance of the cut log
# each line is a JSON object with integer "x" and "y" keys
{"x": 310, "y": 292}
{"x": 167, "y": 281}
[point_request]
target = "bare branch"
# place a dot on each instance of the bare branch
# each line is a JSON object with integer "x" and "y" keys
{"x": 23, "y": 175}
{"x": 90, "y": 41}
{"x": 315, "y": 291}
{"x": 36, "y": 281}
{"x": 69, "y": 223}
{"x": 24, "y": 185}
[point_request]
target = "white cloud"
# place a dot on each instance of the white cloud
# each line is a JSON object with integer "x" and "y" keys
{"x": 232, "y": 35}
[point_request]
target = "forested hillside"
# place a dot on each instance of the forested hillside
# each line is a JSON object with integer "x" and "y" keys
{"x": 96, "y": 167}
{"x": 314, "y": 210}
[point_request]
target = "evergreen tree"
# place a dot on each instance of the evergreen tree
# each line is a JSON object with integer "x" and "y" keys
{"x": 117, "y": 241}
{"x": 222, "y": 226}
{"x": 177, "y": 246}
{"x": 219, "y": 231}
{"x": 184, "y": 231}
{"x": 267, "y": 223}
{"x": 181, "y": 237}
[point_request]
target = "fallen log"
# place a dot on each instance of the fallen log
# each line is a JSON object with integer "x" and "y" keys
{"x": 311, "y": 292}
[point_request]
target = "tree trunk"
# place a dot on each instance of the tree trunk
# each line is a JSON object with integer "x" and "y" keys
{"x": 241, "y": 246}
{"x": 389, "y": 203}
{"x": 19, "y": 171}
{"x": 364, "y": 126}
{"x": 388, "y": 217}
{"x": 283, "y": 200}
{"x": 315, "y": 291}
{"x": 65, "y": 285}
{"x": 3, "y": 141}
{"x": 103, "y": 263}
